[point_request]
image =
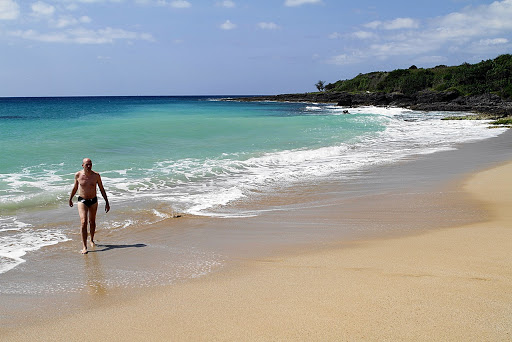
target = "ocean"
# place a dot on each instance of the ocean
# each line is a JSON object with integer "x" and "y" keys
{"x": 193, "y": 156}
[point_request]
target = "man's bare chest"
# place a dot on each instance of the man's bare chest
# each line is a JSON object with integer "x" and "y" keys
{"x": 87, "y": 180}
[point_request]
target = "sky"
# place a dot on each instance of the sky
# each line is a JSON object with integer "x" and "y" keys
{"x": 234, "y": 47}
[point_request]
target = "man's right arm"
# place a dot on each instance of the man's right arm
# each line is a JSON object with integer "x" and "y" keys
{"x": 73, "y": 192}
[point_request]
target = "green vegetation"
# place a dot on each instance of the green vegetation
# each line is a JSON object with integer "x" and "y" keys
{"x": 497, "y": 122}
{"x": 503, "y": 121}
{"x": 477, "y": 116}
{"x": 490, "y": 76}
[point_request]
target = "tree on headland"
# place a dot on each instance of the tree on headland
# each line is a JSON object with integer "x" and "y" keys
{"x": 320, "y": 85}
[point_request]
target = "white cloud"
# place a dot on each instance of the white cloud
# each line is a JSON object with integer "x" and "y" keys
{"x": 496, "y": 45}
{"x": 42, "y": 9}
{"x": 342, "y": 59}
{"x": 388, "y": 49}
{"x": 484, "y": 29}
{"x": 268, "y": 26}
{"x": 294, "y": 3}
{"x": 481, "y": 23}
{"x": 161, "y": 3}
{"x": 94, "y": 1}
{"x": 396, "y": 24}
{"x": 401, "y": 23}
{"x": 34, "y": 35}
{"x": 9, "y": 10}
{"x": 345, "y": 59}
{"x": 228, "y": 25}
{"x": 226, "y": 3}
{"x": 482, "y": 20}
{"x": 363, "y": 35}
{"x": 494, "y": 41}
{"x": 65, "y": 21}
{"x": 373, "y": 25}
{"x": 180, "y": 4}
{"x": 82, "y": 36}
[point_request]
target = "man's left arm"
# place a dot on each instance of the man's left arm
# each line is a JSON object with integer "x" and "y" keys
{"x": 103, "y": 193}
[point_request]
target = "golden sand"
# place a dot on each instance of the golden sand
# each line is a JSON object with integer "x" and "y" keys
{"x": 451, "y": 284}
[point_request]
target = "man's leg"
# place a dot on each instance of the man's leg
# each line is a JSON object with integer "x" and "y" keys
{"x": 83, "y": 211}
{"x": 92, "y": 222}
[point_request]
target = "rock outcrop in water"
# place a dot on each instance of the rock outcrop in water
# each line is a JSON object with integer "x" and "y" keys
{"x": 422, "y": 100}
{"x": 484, "y": 87}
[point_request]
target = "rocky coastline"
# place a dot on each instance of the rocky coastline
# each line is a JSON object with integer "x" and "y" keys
{"x": 490, "y": 105}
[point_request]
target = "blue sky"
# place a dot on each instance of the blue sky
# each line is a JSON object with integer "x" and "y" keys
{"x": 207, "y": 47}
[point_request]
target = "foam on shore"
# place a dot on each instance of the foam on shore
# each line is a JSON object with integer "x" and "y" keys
{"x": 447, "y": 284}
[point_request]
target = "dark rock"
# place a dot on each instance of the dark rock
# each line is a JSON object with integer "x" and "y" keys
{"x": 435, "y": 97}
{"x": 424, "y": 100}
{"x": 345, "y": 100}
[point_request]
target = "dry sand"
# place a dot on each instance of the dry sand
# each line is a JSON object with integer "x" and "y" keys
{"x": 452, "y": 284}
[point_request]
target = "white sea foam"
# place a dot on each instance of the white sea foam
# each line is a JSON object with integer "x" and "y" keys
{"x": 212, "y": 183}
{"x": 385, "y": 111}
{"x": 313, "y": 108}
{"x": 11, "y": 223}
{"x": 161, "y": 215}
{"x": 202, "y": 186}
{"x": 14, "y": 246}
{"x": 31, "y": 182}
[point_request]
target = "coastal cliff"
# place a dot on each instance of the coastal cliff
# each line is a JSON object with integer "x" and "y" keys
{"x": 484, "y": 87}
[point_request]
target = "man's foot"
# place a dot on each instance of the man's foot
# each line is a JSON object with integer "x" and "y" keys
{"x": 93, "y": 244}
{"x": 84, "y": 251}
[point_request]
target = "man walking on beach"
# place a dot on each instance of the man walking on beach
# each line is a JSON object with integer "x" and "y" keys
{"x": 86, "y": 180}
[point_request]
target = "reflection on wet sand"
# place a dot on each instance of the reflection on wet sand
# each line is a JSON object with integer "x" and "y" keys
{"x": 95, "y": 276}
{"x": 97, "y": 283}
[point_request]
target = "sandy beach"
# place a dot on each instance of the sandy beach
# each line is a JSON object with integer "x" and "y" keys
{"x": 450, "y": 284}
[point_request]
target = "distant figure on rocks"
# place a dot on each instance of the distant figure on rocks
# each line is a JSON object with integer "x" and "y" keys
{"x": 86, "y": 181}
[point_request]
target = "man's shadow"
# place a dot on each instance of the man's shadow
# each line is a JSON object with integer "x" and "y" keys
{"x": 105, "y": 247}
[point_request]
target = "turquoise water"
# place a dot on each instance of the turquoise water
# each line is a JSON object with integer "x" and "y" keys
{"x": 149, "y": 143}
{"x": 163, "y": 156}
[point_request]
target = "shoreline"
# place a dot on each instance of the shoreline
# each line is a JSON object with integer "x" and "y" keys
{"x": 488, "y": 106}
{"x": 420, "y": 286}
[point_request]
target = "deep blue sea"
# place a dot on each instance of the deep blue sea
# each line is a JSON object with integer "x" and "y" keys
{"x": 165, "y": 156}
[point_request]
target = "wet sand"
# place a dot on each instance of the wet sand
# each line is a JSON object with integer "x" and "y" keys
{"x": 447, "y": 283}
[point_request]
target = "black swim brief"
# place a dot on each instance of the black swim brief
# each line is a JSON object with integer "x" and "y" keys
{"x": 88, "y": 202}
